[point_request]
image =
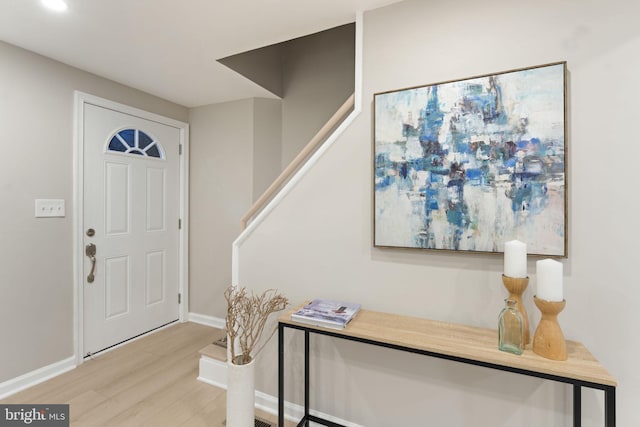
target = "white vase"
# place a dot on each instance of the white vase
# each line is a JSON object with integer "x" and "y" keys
{"x": 241, "y": 395}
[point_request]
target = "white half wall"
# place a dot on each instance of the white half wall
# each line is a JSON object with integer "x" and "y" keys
{"x": 318, "y": 241}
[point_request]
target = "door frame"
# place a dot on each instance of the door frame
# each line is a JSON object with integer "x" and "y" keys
{"x": 80, "y": 100}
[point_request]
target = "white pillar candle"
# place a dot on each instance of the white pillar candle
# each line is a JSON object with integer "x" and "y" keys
{"x": 515, "y": 259}
{"x": 549, "y": 280}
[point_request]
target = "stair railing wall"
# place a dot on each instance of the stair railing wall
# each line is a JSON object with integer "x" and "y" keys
{"x": 318, "y": 145}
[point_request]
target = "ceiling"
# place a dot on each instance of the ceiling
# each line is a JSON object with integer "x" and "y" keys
{"x": 169, "y": 48}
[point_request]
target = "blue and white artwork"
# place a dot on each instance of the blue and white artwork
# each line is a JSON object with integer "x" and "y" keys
{"x": 471, "y": 164}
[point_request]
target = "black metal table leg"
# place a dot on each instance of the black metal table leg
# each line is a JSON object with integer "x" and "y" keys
{"x": 280, "y": 375}
{"x": 306, "y": 377}
{"x": 577, "y": 405}
{"x": 610, "y": 407}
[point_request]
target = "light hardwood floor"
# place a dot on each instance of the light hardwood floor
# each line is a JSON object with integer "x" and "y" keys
{"x": 148, "y": 382}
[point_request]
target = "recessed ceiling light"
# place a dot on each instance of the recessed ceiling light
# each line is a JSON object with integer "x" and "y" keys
{"x": 57, "y": 5}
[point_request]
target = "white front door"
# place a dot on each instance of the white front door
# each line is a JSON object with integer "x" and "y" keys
{"x": 131, "y": 211}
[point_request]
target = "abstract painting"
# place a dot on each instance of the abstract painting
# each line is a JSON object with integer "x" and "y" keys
{"x": 468, "y": 165}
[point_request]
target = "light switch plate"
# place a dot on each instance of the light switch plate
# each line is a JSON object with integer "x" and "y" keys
{"x": 49, "y": 208}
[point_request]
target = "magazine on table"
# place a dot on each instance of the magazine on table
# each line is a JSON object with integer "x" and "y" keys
{"x": 326, "y": 313}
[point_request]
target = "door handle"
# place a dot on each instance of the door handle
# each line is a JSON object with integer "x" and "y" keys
{"x": 90, "y": 250}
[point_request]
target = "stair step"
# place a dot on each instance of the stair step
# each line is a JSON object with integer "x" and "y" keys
{"x": 213, "y": 361}
{"x": 217, "y": 349}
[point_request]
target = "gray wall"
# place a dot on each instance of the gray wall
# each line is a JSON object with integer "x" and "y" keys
{"x": 235, "y": 156}
{"x": 221, "y": 187}
{"x": 267, "y": 146}
{"x": 36, "y": 277}
{"x": 317, "y": 78}
{"x": 318, "y": 243}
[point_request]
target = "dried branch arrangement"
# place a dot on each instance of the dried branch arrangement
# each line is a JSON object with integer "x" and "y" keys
{"x": 247, "y": 316}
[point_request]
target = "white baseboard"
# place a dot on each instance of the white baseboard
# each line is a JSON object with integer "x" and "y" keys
{"x": 292, "y": 411}
{"x": 214, "y": 322}
{"x": 32, "y": 378}
{"x": 214, "y": 372}
{"x": 269, "y": 404}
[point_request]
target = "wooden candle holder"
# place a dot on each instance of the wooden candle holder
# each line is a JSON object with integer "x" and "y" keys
{"x": 548, "y": 340}
{"x": 516, "y": 287}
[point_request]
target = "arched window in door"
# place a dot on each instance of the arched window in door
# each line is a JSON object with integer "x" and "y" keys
{"x": 135, "y": 141}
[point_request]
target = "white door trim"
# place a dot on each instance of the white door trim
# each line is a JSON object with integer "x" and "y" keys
{"x": 80, "y": 99}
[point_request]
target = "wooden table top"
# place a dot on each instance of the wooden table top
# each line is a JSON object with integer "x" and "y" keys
{"x": 468, "y": 342}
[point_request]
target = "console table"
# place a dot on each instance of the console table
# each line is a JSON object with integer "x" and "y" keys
{"x": 459, "y": 343}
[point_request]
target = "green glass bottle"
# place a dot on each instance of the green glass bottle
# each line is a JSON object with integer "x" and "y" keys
{"x": 510, "y": 328}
